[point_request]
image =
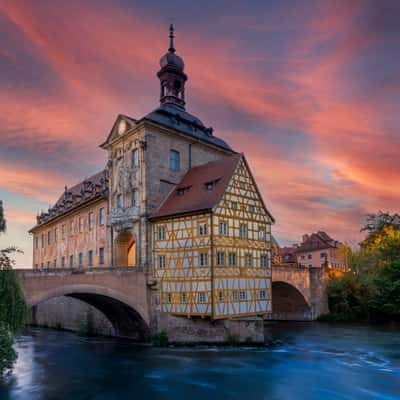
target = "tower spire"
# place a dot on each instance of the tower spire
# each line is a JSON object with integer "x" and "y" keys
{"x": 171, "y": 39}
{"x": 172, "y": 76}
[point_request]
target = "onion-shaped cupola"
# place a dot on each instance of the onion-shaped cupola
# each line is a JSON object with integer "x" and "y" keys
{"x": 171, "y": 75}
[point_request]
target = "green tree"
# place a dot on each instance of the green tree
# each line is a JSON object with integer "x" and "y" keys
{"x": 13, "y": 308}
{"x": 371, "y": 289}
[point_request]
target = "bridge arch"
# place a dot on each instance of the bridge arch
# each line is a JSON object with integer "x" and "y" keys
{"x": 289, "y": 303}
{"x": 128, "y": 319}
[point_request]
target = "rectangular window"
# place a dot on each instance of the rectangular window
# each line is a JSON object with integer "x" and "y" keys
{"x": 101, "y": 255}
{"x": 90, "y": 221}
{"x": 80, "y": 259}
{"x": 202, "y": 297}
{"x": 234, "y": 205}
{"x": 62, "y": 232}
{"x": 71, "y": 228}
{"x": 249, "y": 260}
{"x": 48, "y": 264}
{"x": 232, "y": 259}
{"x": 55, "y": 234}
{"x": 41, "y": 265}
{"x": 261, "y": 233}
{"x": 42, "y": 241}
{"x": 71, "y": 261}
{"x": 135, "y": 198}
{"x": 263, "y": 260}
{"x": 135, "y": 158}
{"x": 223, "y": 228}
{"x": 101, "y": 216}
{"x": 161, "y": 233}
{"x": 303, "y": 257}
{"x": 220, "y": 258}
{"x": 80, "y": 224}
{"x": 251, "y": 209}
{"x": 323, "y": 255}
{"x": 243, "y": 230}
{"x": 221, "y": 296}
{"x": 90, "y": 258}
{"x": 309, "y": 265}
{"x": 310, "y": 256}
{"x": 62, "y": 262}
{"x": 55, "y": 264}
{"x": 36, "y": 242}
{"x": 161, "y": 262}
{"x": 120, "y": 202}
{"x": 183, "y": 298}
{"x": 242, "y": 295}
{"x": 174, "y": 160}
{"x": 235, "y": 295}
{"x": 262, "y": 295}
{"x": 48, "y": 237}
{"x": 169, "y": 298}
{"x": 202, "y": 229}
{"x": 203, "y": 259}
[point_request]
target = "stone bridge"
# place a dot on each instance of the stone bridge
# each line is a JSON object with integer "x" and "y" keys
{"x": 298, "y": 294}
{"x": 121, "y": 294}
{"x": 125, "y": 296}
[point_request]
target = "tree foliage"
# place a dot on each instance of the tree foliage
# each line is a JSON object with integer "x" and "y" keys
{"x": 371, "y": 289}
{"x": 13, "y": 308}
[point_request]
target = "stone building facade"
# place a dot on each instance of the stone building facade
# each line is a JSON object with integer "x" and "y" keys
{"x": 109, "y": 219}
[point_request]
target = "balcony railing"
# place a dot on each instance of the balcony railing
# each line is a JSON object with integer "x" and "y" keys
{"x": 124, "y": 215}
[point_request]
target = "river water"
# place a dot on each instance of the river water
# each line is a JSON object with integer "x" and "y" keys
{"x": 315, "y": 361}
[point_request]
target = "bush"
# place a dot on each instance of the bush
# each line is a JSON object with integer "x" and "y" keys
{"x": 8, "y": 355}
{"x": 160, "y": 339}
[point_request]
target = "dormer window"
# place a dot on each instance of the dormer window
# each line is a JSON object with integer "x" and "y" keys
{"x": 182, "y": 190}
{"x": 211, "y": 184}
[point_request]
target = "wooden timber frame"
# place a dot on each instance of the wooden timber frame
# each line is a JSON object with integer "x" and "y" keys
{"x": 217, "y": 263}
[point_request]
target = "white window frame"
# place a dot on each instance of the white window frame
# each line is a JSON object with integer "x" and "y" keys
{"x": 232, "y": 257}
{"x": 135, "y": 198}
{"x": 161, "y": 232}
{"x": 161, "y": 261}
{"x": 223, "y": 228}
{"x": 203, "y": 259}
{"x": 221, "y": 261}
{"x": 243, "y": 231}
{"x": 202, "y": 228}
{"x": 202, "y": 297}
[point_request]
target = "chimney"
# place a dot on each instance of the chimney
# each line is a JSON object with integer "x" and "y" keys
{"x": 305, "y": 238}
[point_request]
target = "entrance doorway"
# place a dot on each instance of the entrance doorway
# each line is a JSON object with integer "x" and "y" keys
{"x": 125, "y": 250}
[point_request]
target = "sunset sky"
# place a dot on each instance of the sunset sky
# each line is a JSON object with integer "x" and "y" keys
{"x": 308, "y": 90}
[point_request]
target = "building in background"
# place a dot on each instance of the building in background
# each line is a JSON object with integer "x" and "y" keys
{"x": 175, "y": 200}
{"x": 318, "y": 250}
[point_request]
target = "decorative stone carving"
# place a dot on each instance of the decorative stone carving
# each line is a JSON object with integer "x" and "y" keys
{"x": 124, "y": 215}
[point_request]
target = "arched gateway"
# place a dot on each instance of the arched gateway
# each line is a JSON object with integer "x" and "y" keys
{"x": 120, "y": 294}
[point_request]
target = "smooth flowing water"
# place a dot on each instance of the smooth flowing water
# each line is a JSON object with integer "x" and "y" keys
{"x": 315, "y": 361}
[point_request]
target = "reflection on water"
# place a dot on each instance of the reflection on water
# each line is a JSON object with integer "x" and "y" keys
{"x": 315, "y": 361}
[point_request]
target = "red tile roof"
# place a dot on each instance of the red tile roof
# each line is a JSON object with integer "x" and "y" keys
{"x": 196, "y": 197}
{"x": 317, "y": 241}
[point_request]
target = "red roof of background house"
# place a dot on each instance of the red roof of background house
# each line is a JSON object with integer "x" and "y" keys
{"x": 317, "y": 241}
{"x": 196, "y": 196}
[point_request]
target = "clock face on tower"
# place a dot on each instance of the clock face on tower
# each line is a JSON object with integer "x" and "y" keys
{"x": 122, "y": 127}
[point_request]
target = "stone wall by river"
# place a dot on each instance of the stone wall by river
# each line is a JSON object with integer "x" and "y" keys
{"x": 71, "y": 314}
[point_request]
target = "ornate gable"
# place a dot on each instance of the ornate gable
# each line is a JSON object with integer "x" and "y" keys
{"x": 121, "y": 125}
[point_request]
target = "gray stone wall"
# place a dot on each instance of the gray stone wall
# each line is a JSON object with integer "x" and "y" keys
{"x": 71, "y": 314}
{"x": 198, "y": 330}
